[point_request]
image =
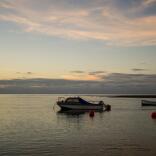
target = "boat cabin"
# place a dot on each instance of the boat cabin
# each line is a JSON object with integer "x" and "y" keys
{"x": 75, "y": 100}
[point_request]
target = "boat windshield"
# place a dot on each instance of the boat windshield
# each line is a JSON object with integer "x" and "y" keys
{"x": 75, "y": 100}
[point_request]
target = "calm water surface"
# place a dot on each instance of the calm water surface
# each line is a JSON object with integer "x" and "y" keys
{"x": 33, "y": 125}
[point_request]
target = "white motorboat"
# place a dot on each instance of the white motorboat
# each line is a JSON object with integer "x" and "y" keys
{"x": 77, "y": 103}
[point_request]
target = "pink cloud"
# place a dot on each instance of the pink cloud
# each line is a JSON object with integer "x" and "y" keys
{"x": 109, "y": 26}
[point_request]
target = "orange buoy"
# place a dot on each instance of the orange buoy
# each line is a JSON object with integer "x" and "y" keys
{"x": 153, "y": 115}
{"x": 91, "y": 113}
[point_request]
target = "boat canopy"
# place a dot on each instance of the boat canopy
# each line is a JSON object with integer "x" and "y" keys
{"x": 76, "y": 100}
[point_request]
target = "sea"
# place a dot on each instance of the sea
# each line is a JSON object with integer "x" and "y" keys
{"x": 32, "y": 124}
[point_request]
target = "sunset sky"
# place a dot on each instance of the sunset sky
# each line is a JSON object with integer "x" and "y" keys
{"x": 109, "y": 43}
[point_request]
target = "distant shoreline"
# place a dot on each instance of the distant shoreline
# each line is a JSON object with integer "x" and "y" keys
{"x": 133, "y": 96}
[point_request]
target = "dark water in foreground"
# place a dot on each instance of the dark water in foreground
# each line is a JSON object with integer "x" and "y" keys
{"x": 30, "y": 126}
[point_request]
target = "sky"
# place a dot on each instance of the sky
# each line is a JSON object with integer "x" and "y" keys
{"x": 78, "y": 46}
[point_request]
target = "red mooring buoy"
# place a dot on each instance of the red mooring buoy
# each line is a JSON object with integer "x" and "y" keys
{"x": 91, "y": 113}
{"x": 153, "y": 115}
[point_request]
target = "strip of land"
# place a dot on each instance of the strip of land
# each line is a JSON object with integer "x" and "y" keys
{"x": 133, "y": 96}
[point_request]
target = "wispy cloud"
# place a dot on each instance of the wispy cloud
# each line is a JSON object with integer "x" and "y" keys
{"x": 138, "y": 69}
{"x": 29, "y": 73}
{"x": 99, "y": 72}
{"x": 24, "y": 73}
{"x": 85, "y": 75}
{"x": 78, "y": 71}
{"x": 115, "y": 22}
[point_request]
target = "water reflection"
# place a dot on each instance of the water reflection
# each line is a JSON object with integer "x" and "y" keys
{"x": 76, "y": 112}
{"x": 79, "y": 120}
{"x": 29, "y": 126}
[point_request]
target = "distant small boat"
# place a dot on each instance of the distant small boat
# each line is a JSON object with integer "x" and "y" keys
{"x": 77, "y": 103}
{"x": 148, "y": 103}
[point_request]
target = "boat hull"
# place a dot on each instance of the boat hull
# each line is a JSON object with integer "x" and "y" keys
{"x": 80, "y": 107}
{"x": 148, "y": 103}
